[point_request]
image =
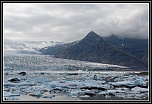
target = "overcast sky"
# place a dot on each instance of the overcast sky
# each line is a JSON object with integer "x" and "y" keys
{"x": 70, "y": 22}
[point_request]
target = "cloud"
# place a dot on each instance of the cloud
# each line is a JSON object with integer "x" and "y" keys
{"x": 70, "y": 22}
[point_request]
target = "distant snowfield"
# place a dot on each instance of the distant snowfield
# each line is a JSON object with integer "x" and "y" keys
{"x": 26, "y": 47}
{"x": 12, "y": 44}
{"x": 19, "y": 51}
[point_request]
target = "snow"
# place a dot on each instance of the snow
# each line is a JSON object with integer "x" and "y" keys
{"x": 102, "y": 93}
{"x": 139, "y": 89}
{"x": 26, "y": 47}
{"x": 17, "y": 44}
{"x": 121, "y": 83}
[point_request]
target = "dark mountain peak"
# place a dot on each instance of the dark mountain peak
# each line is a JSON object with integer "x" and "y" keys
{"x": 92, "y": 37}
{"x": 93, "y": 34}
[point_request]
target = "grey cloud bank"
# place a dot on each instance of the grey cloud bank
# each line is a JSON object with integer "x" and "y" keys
{"x": 70, "y": 22}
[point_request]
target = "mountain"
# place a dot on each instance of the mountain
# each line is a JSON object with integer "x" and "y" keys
{"x": 136, "y": 47}
{"x": 94, "y": 49}
{"x": 57, "y": 49}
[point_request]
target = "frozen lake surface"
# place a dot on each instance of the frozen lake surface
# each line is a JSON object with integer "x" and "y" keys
{"x": 41, "y": 77}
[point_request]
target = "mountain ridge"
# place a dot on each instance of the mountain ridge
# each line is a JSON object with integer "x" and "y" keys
{"x": 133, "y": 46}
{"x": 93, "y": 48}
